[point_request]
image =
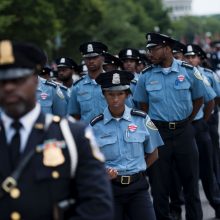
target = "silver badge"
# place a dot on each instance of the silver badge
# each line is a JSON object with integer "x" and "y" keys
{"x": 116, "y": 78}
{"x": 189, "y": 48}
{"x": 62, "y": 60}
{"x": 148, "y": 37}
{"x": 129, "y": 53}
{"x": 89, "y": 48}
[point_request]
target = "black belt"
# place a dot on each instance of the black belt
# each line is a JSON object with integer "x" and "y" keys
{"x": 171, "y": 125}
{"x": 128, "y": 179}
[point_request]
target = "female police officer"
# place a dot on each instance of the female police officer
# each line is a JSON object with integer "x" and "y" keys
{"x": 126, "y": 137}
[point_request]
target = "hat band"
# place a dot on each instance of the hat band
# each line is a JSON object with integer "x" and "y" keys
{"x": 117, "y": 88}
{"x": 14, "y": 73}
{"x": 190, "y": 53}
{"x": 91, "y": 55}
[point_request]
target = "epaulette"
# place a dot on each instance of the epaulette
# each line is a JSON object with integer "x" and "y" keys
{"x": 187, "y": 65}
{"x": 49, "y": 83}
{"x": 138, "y": 113}
{"x": 96, "y": 119}
{"x": 146, "y": 69}
{"x": 208, "y": 70}
{"x": 77, "y": 81}
{"x": 134, "y": 81}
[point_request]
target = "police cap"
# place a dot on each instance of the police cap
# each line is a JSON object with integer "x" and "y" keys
{"x": 129, "y": 53}
{"x": 179, "y": 47}
{"x": 92, "y": 49}
{"x": 110, "y": 59}
{"x": 46, "y": 70}
{"x": 195, "y": 49}
{"x": 66, "y": 62}
{"x": 115, "y": 80}
{"x": 20, "y": 59}
{"x": 154, "y": 39}
{"x": 215, "y": 43}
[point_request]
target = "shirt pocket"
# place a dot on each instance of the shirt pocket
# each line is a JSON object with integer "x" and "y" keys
{"x": 135, "y": 143}
{"x": 85, "y": 101}
{"x": 155, "y": 92}
{"x": 183, "y": 91}
{"x": 108, "y": 146}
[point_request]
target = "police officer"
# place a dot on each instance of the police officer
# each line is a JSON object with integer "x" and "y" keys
{"x": 46, "y": 73}
{"x": 214, "y": 56}
{"x": 87, "y": 99}
{"x": 130, "y": 58}
{"x": 126, "y": 136}
{"x": 51, "y": 97}
{"x": 179, "y": 49}
{"x": 194, "y": 54}
{"x": 50, "y": 167}
{"x": 171, "y": 91}
{"x": 111, "y": 62}
{"x": 66, "y": 68}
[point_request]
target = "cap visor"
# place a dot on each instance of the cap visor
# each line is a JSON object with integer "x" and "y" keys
{"x": 15, "y": 73}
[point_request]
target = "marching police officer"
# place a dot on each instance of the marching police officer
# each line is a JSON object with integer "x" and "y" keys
{"x": 50, "y": 167}
{"x": 171, "y": 91}
{"x": 51, "y": 97}
{"x": 87, "y": 99}
{"x": 126, "y": 136}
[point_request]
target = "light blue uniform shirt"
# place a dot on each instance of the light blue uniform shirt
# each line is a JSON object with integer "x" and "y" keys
{"x": 124, "y": 142}
{"x": 212, "y": 78}
{"x": 169, "y": 94}
{"x": 87, "y": 99}
{"x": 51, "y": 98}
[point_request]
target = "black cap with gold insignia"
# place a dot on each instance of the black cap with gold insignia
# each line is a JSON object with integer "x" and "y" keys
{"x": 19, "y": 59}
{"x": 66, "y": 62}
{"x": 115, "y": 80}
{"x": 111, "y": 59}
{"x": 154, "y": 39}
{"x": 92, "y": 49}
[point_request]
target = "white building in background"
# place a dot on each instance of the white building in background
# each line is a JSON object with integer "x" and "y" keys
{"x": 178, "y": 8}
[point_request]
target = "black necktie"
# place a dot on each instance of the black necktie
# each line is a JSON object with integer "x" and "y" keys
{"x": 14, "y": 146}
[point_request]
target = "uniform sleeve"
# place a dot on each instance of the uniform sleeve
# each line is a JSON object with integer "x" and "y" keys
{"x": 154, "y": 139}
{"x": 198, "y": 86}
{"x": 73, "y": 105}
{"x": 209, "y": 93}
{"x": 215, "y": 83}
{"x": 59, "y": 106}
{"x": 140, "y": 94}
{"x": 93, "y": 189}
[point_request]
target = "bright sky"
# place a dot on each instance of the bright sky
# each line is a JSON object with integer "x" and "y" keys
{"x": 205, "y": 7}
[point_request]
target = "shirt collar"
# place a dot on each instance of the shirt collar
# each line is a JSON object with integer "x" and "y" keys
{"x": 174, "y": 67}
{"x": 27, "y": 120}
{"x": 108, "y": 117}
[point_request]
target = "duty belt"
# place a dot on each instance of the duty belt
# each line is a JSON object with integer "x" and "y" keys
{"x": 128, "y": 179}
{"x": 171, "y": 125}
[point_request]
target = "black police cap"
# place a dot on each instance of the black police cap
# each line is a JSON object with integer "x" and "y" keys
{"x": 110, "y": 59}
{"x": 46, "y": 70}
{"x": 195, "y": 49}
{"x": 129, "y": 53}
{"x": 154, "y": 39}
{"x": 92, "y": 49}
{"x": 179, "y": 47}
{"x": 20, "y": 59}
{"x": 66, "y": 62}
{"x": 115, "y": 80}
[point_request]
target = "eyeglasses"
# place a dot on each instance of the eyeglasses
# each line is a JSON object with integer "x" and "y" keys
{"x": 153, "y": 49}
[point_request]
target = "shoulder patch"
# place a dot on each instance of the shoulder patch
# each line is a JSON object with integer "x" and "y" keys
{"x": 187, "y": 65}
{"x": 77, "y": 81}
{"x": 59, "y": 92}
{"x": 138, "y": 113}
{"x": 49, "y": 83}
{"x": 96, "y": 119}
{"x": 198, "y": 75}
{"x": 149, "y": 124}
{"x": 146, "y": 69}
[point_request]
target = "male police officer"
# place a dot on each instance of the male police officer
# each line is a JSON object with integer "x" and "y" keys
{"x": 50, "y": 167}
{"x": 172, "y": 93}
{"x": 87, "y": 99}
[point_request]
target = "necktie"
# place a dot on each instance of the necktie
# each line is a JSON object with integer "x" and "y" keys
{"x": 14, "y": 146}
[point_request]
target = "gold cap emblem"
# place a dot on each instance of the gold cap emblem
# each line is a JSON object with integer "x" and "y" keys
{"x": 6, "y": 52}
